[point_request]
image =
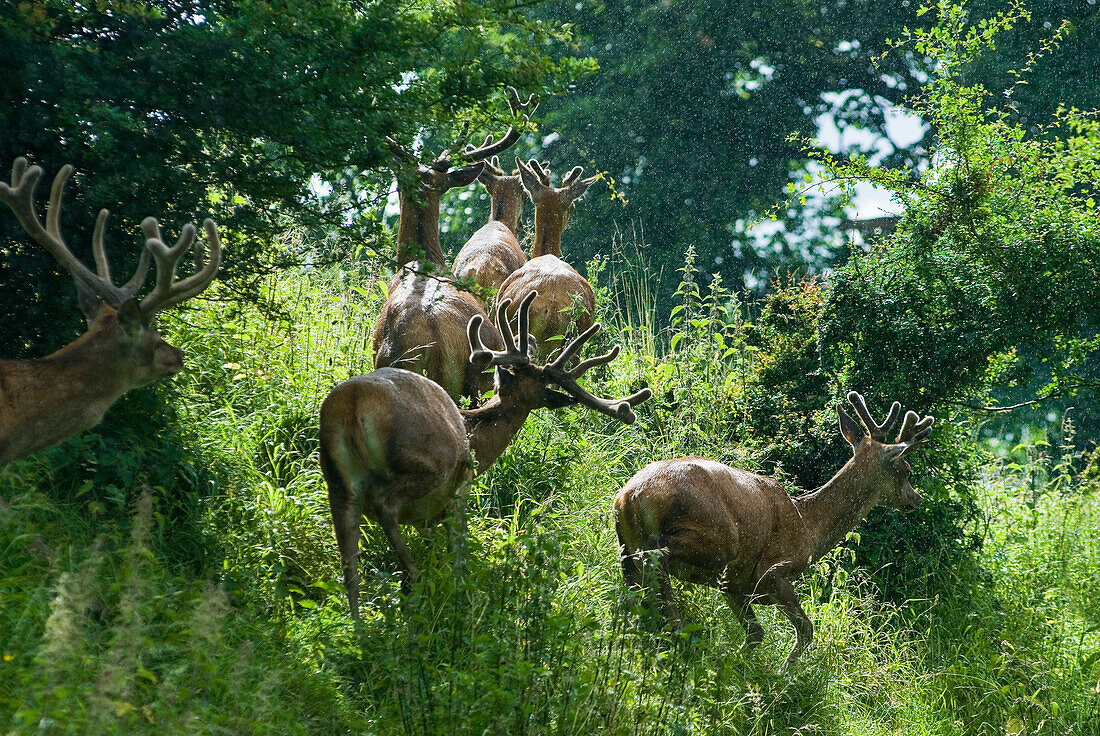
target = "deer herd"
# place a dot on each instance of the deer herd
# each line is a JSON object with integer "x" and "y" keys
{"x": 396, "y": 447}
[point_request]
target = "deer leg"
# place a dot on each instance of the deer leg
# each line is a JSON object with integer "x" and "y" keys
{"x": 672, "y": 611}
{"x": 347, "y": 510}
{"x": 742, "y": 609}
{"x": 457, "y": 529}
{"x": 388, "y": 522}
{"x": 781, "y": 590}
{"x": 632, "y": 571}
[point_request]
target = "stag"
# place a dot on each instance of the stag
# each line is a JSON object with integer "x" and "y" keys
{"x": 705, "y": 522}
{"x": 493, "y": 252}
{"x": 47, "y": 400}
{"x": 566, "y": 301}
{"x": 395, "y": 448}
{"x": 422, "y": 325}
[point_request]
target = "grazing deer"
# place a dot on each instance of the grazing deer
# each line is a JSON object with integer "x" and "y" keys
{"x": 493, "y": 252}
{"x": 395, "y": 448}
{"x": 46, "y": 400}
{"x": 742, "y": 533}
{"x": 566, "y": 300}
{"x": 422, "y": 324}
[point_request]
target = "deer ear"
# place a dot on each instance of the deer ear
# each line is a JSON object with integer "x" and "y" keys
{"x": 504, "y": 380}
{"x": 851, "y": 429}
{"x": 130, "y": 321}
{"x": 463, "y": 175}
{"x": 578, "y": 188}
{"x": 88, "y": 300}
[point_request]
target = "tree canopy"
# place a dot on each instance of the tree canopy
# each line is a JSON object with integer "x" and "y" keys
{"x": 188, "y": 108}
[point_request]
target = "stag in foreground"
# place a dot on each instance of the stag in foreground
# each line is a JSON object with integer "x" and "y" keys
{"x": 395, "y": 448}
{"x": 422, "y": 324}
{"x": 46, "y": 400}
{"x": 566, "y": 301}
{"x": 705, "y": 522}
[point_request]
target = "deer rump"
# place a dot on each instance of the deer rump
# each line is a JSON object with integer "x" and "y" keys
{"x": 422, "y": 328}
{"x": 489, "y": 256}
{"x": 716, "y": 525}
{"x": 370, "y": 451}
{"x": 551, "y": 313}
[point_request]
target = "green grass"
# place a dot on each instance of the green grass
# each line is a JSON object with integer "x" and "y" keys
{"x": 204, "y": 597}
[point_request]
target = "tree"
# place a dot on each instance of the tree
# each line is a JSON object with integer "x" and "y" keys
{"x": 699, "y": 107}
{"x": 189, "y": 108}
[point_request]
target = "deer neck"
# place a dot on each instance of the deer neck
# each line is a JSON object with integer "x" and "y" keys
{"x": 492, "y": 427}
{"x": 506, "y": 205}
{"x": 835, "y": 509}
{"x": 549, "y": 227}
{"x": 418, "y": 227}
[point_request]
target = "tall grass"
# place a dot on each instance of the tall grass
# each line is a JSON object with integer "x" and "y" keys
{"x": 112, "y": 632}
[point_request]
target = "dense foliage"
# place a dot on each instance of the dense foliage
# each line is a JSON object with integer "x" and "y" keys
{"x": 174, "y": 570}
{"x": 691, "y": 113}
{"x": 191, "y": 108}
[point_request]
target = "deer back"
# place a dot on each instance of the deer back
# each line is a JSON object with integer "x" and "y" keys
{"x": 559, "y": 287}
{"x": 388, "y": 425}
{"x": 422, "y": 328}
{"x": 490, "y": 256}
{"x": 716, "y": 518}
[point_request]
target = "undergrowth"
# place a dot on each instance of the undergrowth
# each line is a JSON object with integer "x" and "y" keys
{"x": 112, "y": 622}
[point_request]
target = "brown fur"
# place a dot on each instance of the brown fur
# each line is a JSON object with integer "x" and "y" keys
{"x": 744, "y": 534}
{"x": 395, "y": 448}
{"x": 552, "y": 314}
{"x": 489, "y": 256}
{"x": 557, "y": 283}
{"x": 47, "y": 400}
{"x": 422, "y": 328}
{"x": 422, "y": 324}
{"x": 493, "y": 252}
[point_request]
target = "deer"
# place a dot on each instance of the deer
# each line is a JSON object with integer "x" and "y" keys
{"x": 567, "y": 302}
{"x": 396, "y": 449}
{"x": 47, "y": 400}
{"x": 493, "y": 252}
{"x": 422, "y": 324}
{"x": 707, "y": 523}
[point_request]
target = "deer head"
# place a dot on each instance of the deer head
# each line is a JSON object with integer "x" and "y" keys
{"x": 880, "y": 463}
{"x": 553, "y": 205}
{"x": 120, "y": 350}
{"x": 514, "y": 366}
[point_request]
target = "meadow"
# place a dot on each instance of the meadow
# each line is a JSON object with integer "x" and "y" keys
{"x": 189, "y": 582}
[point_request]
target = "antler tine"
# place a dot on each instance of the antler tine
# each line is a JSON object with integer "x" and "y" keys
{"x": 479, "y": 354}
{"x": 488, "y": 149}
{"x": 471, "y": 147}
{"x": 543, "y": 173}
{"x": 579, "y": 369}
{"x": 525, "y": 321}
{"x": 572, "y": 176}
{"x": 503, "y": 327}
{"x": 19, "y": 196}
{"x": 517, "y": 107}
{"x": 621, "y": 409}
{"x": 911, "y": 427}
{"x": 167, "y": 291}
{"x": 574, "y": 347}
{"x": 877, "y": 431}
{"x": 511, "y": 355}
